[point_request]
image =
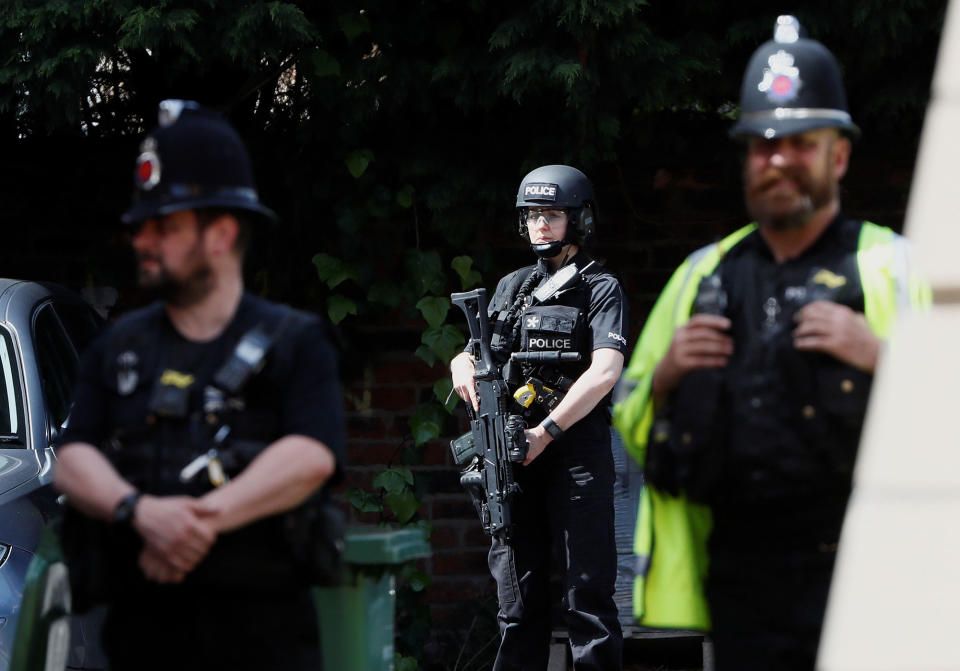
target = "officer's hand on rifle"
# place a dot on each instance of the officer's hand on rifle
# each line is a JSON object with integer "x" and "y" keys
{"x": 700, "y": 343}
{"x": 177, "y": 528}
{"x": 824, "y": 326}
{"x": 537, "y": 441}
{"x": 462, "y": 369}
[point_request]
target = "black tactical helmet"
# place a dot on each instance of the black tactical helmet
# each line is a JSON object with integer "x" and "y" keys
{"x": 192, "y": 159}
{"x": 560, "y": 186}
{"x": 792, "y": 84}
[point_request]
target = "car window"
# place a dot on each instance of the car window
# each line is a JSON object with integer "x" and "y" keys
{"x": 11, "y": 400}
{"x": 57, "y": 362}
{"x": 80, "y": 321}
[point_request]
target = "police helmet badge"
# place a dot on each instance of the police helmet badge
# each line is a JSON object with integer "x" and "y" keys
{"x": 148, "y": 165}
{"x": 781, "y": 80}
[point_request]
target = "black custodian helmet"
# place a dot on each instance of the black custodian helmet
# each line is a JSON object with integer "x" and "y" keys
{"x": 792, "y": 84}
{"x": 192, "y": 159}
{"x": 560, "y": 186}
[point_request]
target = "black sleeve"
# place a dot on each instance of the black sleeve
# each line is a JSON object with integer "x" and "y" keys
{"x": 607, "y": 317}
{"x": 87, "y": 422}
{"x": 312, "y": 399}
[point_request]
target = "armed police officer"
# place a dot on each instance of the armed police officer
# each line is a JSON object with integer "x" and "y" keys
{"x": 565, "y": 494}
{"x": 204, "y": 423}
{"x": 748, "y": 412}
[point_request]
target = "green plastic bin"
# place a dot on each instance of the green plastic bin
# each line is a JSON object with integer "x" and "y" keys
{"x": 42, "y": 639}
{"x": 356, "y": 618}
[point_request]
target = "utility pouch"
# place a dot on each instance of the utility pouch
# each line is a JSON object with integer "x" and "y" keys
{"x": 171, "y": 395}
{"x": 315, "y": 533}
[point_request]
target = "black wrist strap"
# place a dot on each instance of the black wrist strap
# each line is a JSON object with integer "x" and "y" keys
{"x": 552, "y": 428}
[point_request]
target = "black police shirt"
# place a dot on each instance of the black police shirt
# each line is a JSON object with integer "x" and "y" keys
{"x": 794, "y": 417}
{"x": 606, "y": 325}
{"x": 296, "y": 392}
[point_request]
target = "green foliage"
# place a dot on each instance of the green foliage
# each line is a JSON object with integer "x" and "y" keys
{"x": 434, "y": 309}
{"x": 427, "y": 422}
{"x": 333, "y": 271}
{"x": 469, "y": 278}
{"x": 339, "y": 306}
{"x": 397, "y": 484}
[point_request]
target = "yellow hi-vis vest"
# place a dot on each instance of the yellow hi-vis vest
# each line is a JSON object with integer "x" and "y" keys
{"x": 671, "y": 536}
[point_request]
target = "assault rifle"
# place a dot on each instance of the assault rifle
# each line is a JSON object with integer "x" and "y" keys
{"x": 496, "y": 440}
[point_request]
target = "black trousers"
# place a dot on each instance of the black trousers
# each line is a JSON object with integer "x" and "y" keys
{"x": 771, "y": 562}
{"x": 176, "y": 628}
{"x": 566, "y": 504}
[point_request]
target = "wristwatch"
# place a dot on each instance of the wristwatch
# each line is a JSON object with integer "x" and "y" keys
{"x": 552, "y": 427}
{"x": 123, "y": 513}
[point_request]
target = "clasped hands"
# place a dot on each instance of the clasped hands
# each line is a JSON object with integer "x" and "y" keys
{"x": 822, "y": 326}
{"x": 177, "y": 532}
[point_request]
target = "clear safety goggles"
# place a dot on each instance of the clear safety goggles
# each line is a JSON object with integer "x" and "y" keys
{"x": 552, "y": 215}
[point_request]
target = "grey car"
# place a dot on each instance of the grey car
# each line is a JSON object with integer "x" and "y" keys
{"x": 43, "y": 329}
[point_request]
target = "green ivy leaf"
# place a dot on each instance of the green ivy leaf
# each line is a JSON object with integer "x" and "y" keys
{"x": 387, "y": 293}
{"x": 425, "y": 272}
{"x": 442, "y": 389}
{"x": 353, "y": 24}
{"x": 403, "y": 504}
{"x": 445, "y": 341}
{"x": 364, "y": 501}
{"x": 394, "y": 480}
{"x": 424, "y": 430}
{"x": 426, "y": 422}
{"x": 358, "y": 160}
{"x": 463, "y": 265}
{"x": 324, "y": 65}
{"x": 332, "y": 270}
{"x": 405, "y": 196}
{"x": 426, "y": 354}
{"x": 401, "y": 663}
{"x": 417, "y": 580}
{"x": 434, "y": 309}
{"x": 338, "y": 307}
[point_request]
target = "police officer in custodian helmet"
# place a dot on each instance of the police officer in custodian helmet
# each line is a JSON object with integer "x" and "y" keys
{"x": 751, "y": 377}
{"x": 204, "y": 425}
{"x": 566, "y": 482}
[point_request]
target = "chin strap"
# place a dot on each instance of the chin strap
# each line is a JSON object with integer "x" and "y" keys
{"x": 547, "y": 250}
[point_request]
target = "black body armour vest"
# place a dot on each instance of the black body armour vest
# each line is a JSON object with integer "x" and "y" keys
{"x": 192, "y": 409}
{"x": 556, "y": 326}
{"x": 794, "y": 417}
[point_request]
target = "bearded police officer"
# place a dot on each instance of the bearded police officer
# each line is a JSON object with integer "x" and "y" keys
{"x": 566, "y": 482}
{"x": 202, "y": 425}
{"x": 748, "y": 412}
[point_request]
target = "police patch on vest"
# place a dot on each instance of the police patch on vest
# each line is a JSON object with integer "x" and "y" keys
{"x": 174, "y": 378}
{"x": 127, "y": 376}
{"x": 829, "y": 279}
{"x": 541, "y": 343}
{"x": 550, "y": 327}
{"x": 540, "y": 191}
